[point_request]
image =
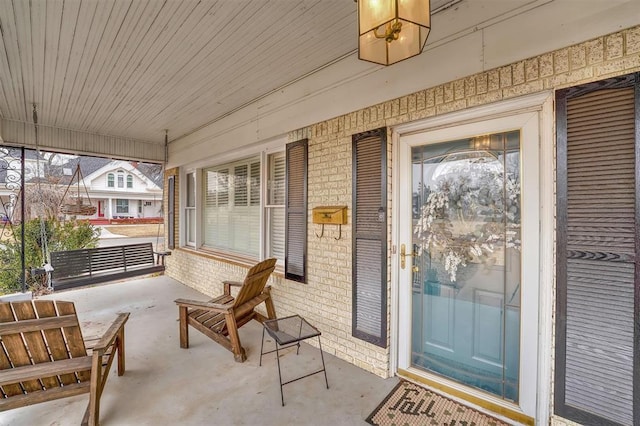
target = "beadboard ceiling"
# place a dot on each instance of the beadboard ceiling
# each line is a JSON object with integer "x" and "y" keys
{"x": 132, "y": 68}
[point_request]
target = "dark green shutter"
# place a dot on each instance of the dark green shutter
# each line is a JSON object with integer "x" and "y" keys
{"x": 295, "y": 261}
{"x": 370, "y": 236}
{"x": 596, "y": 375}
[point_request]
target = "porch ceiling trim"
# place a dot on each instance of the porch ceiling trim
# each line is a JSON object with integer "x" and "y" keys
{"x": 19, "y": 133}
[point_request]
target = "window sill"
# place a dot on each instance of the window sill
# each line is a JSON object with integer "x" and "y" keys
{"x": 233, "y": 259}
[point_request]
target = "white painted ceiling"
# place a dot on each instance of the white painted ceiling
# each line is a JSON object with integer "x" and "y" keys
{"x": 132, "y": 68}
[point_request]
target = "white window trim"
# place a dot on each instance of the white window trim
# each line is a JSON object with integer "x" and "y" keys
{"x": 187, "y": 208}
{"x": 264, "y": 235}
{"x": 128, "y": 206}
{"x": 270, "y": 146}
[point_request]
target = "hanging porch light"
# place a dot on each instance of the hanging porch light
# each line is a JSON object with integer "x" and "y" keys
{"x": 392, "y": 30}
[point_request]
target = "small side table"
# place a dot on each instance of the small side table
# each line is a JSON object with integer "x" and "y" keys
{"x": 288, "y": 332}
{"x": 160, "y": 255}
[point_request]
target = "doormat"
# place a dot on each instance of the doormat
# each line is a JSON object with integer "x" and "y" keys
{"x": 411, "y": 405}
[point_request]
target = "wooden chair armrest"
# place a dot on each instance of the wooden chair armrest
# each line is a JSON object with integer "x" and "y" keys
{"x": 112, "y": 332}
{"x": 229, "y": 284}
{"x": 217, "y": 307}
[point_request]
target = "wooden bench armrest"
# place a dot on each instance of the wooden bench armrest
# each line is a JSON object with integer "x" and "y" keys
{"x": 217, "y": 307}
{"x": 112, "y": 332}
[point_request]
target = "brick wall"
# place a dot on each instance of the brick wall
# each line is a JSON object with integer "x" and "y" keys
{"x": 326, "y": 300}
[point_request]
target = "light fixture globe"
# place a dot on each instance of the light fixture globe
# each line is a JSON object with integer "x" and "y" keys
{"x": 392, "y": 30}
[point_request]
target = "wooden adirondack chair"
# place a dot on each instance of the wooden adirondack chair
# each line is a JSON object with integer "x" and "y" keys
{"x": 45, "y": 356}
{"x": 221, "y": 317}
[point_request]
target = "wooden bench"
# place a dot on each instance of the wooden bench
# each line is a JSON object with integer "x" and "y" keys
{"x": 75, "y": 268}
{"x": 44, "y": 356}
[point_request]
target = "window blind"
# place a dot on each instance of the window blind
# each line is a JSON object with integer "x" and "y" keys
{"x": 231, "y": 217}
{"x": 275, "y": 205}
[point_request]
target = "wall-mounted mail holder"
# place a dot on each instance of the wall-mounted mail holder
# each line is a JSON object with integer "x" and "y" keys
{"x": 330, "y": 215}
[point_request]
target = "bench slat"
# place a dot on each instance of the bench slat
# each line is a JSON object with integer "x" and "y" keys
{"x": 54, "y": 337}
{"x": 16, "y": 350}
{"x": 33, "y": 372}
{"x": 33, "y": 338}
{"x": 36, "y": 324}
{"x": 75, "y": 342}
{"x": 31, "y": 398}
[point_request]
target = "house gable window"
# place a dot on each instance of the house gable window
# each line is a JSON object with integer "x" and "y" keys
{"x": 111, "y": 180}
{"x": 120, "y": 179}
{"x": 129, "y": 181}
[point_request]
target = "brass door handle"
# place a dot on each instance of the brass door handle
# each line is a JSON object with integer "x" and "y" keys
{"x": 404, "y": 255}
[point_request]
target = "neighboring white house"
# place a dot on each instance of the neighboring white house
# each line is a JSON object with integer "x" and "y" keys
{"x": 118, "y": 189}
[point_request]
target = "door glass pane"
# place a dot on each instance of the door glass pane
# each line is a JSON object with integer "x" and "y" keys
{"x": 466, "y": 280}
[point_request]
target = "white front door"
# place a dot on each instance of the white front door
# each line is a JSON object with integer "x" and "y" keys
{"x": 468, "y": 248}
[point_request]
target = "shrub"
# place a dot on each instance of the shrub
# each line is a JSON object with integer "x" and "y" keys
{"x": 60, "y": 236}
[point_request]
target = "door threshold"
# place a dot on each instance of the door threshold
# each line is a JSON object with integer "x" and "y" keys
{"x": 496, "y": 407}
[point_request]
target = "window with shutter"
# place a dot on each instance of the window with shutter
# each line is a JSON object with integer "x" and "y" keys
{"x": 370, "y": 236}
{"x": 597, "y": 331}
{"x": 274, "y": 209}
{"x": 227, "y": 209}
{"x": 296, "y": 212}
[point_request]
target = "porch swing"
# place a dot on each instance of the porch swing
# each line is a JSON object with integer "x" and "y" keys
{"x": 77, "y": 207}
{"x": 89, "y": 266}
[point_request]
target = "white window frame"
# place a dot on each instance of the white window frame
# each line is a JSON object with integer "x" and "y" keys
{"x": 111, "y": 180}
{"x": 267, "y": 207}
{"x": 120, "y": 179}
{"x": 274, "y": 146}
{"x": 233, "y": 184}
{"x": 119, "y": 207}
{"x": 188, "y": 209}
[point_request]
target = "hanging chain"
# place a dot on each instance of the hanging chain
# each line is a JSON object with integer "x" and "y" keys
{"x": 43, "y": 230}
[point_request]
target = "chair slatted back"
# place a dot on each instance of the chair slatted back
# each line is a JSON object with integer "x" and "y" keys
{"x": 255, "y": 281}
{"x": 35, "y": 332}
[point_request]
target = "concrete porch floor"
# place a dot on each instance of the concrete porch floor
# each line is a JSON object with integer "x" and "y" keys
{"x": 165, "y": 384}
